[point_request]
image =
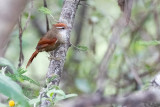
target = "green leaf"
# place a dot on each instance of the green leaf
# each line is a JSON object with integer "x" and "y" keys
{"x": 33, "y": 101}
{"x": 3, "y": 70}
{"x": 70, "y": 95}
{"x": 23, "y": 77}
{"x": 3, "y": 105}
{"x": 11, "y": 89}
{"x": 54, "y": 87}
{"x": 60, "y": 92}
{"x": 4, "y": 62}
{"x": 21, "y": 70}
{"x": 51, "y": 92}
{"x": 82, "y": 48}
{"x": 25, "y": 15}
{"x": 59, "y": 98}
{"x": 13, "y": 76}
{"x": 149, "y": 43}
{"x": 52, "y": 78}
{"x": 45, "y": 10}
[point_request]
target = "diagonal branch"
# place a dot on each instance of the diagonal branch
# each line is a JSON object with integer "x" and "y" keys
{"x": 118, "y": 28}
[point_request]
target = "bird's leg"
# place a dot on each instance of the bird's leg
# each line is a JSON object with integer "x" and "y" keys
{"x": 53, "y": 57}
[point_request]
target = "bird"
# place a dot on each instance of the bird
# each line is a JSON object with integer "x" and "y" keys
{"x": 51, "y": 40}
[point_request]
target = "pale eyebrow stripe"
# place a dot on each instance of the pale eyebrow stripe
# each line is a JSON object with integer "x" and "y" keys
{"x": 59, "y": 27}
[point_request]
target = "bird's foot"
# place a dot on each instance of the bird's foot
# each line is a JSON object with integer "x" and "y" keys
{"x": 54, "y": 58}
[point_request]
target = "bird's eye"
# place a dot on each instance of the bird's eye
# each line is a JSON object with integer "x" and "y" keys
{"x": 60, "y": 27}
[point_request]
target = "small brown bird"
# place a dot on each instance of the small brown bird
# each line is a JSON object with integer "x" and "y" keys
{"x": 51, "y": 40}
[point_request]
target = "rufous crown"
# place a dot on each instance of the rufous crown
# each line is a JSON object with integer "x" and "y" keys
{"x": 60, "y": 25}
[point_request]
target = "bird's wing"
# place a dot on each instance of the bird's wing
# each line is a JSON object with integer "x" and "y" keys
{"x": 44, "y": 42}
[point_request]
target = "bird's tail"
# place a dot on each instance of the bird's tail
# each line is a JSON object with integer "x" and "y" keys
{"x": 32, "y": 57}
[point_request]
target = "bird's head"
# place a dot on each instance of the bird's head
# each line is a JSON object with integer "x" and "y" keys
{"x": 62, "y": 31}
{"x": 60, "y": 26}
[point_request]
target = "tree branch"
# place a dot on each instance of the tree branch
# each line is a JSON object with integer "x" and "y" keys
{"x": 118, "y": 28}
{"x": 47, "y": 22}
{"x": 21, "y": 56}
{"x": 21, "y": 30}
{"x": 56, "y": 66}
{"x": 145, "y": 98}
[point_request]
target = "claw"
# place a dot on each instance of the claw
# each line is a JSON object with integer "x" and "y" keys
{"x": 54, "y": 58}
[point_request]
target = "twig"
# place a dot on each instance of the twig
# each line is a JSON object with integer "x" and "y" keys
{"x": 47, "y": 22}
{"x": 79, "y": 24}
{"x": 21, "y": 56}
{"x": 133, "y": 70}
{"x": 29, "y": 16}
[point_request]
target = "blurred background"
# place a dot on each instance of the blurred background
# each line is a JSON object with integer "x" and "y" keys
{"x": 131, "y": 65}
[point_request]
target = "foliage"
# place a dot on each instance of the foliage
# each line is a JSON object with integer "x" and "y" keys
{"x": 5, "y": 62}
{"x": 149, "y": 43}
{"x": 20, "y": 77}
{"x": 46, "y": 11}
{"x": 17, "y": 75}
{"x": 11, "y": 89}
{"x": 60, "y": 95}
{"x": 14, "y": 91}
{"x": 82, "y": 48}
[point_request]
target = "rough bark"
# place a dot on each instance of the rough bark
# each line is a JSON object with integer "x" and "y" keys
{"x": 56, "y": 66}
